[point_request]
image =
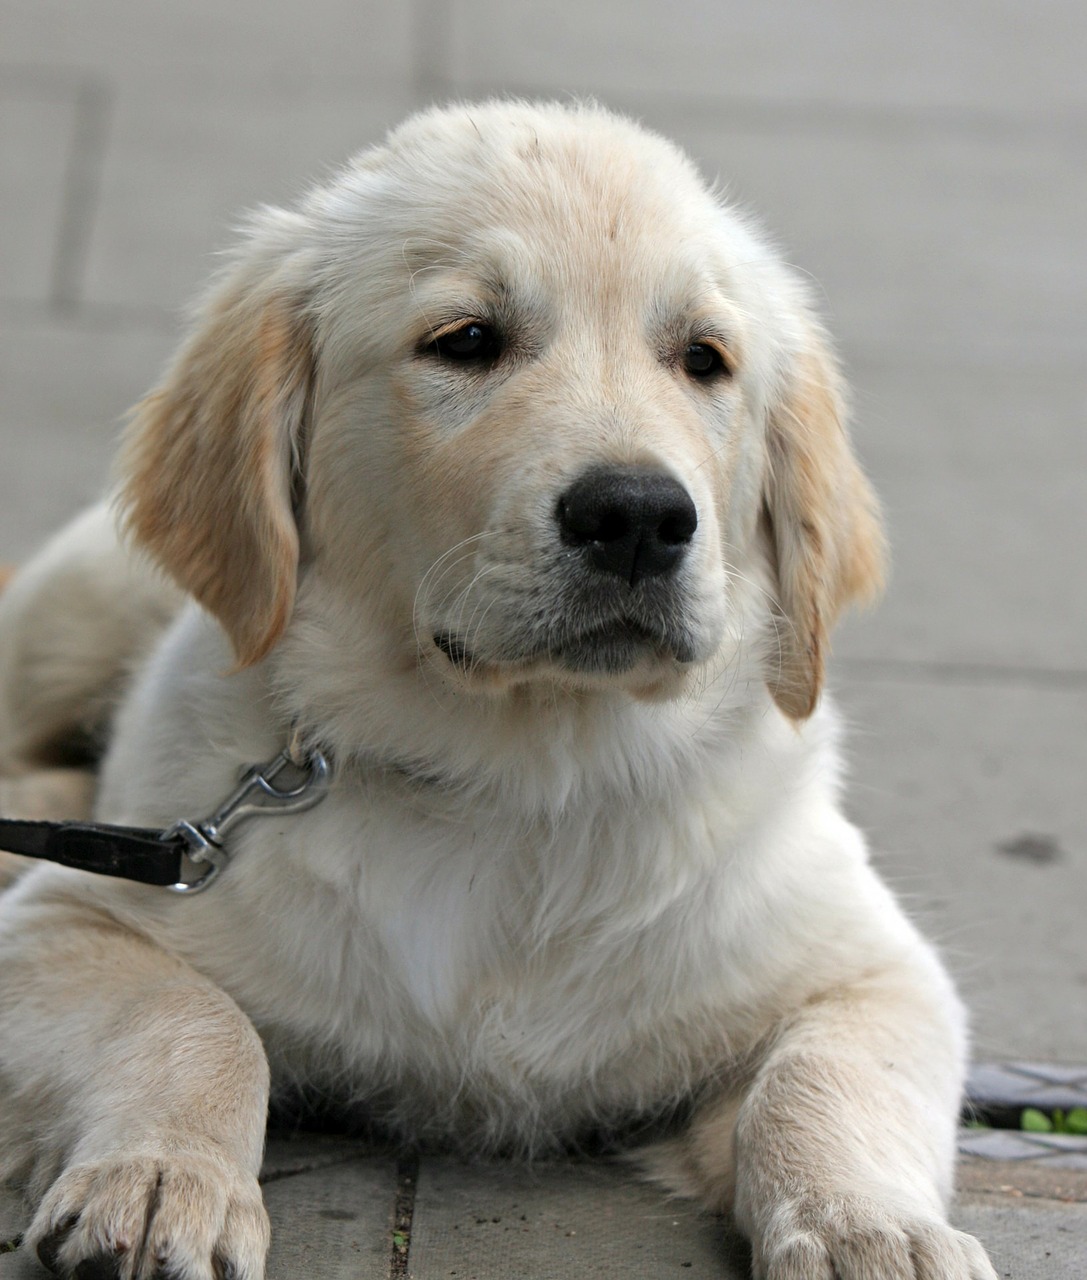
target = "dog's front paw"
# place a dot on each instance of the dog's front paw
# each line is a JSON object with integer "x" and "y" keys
{"x": 186, "y": 1217}
{"x": 852, "y": 1238}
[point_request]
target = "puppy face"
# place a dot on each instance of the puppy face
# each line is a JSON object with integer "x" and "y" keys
{"x": 516, "y": 390}
{"x": 555, "y": 424}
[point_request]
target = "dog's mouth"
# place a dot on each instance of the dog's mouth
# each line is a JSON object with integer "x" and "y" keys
{"x": 454, "y": 648}
{"x": 618, "y": 646}
{"x": 610, "y": 648}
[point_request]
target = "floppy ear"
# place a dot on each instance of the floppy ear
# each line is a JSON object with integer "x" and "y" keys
{"x": 825, "y": 533}
{"x": 207, "y": 462}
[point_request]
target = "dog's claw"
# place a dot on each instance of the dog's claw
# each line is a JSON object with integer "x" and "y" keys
{"x": 195, "y": 1217}
{"x": 49, "y": 1246}
{"x": 100, "y": 1267}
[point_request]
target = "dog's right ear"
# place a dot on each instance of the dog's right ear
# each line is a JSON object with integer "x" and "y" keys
{"x": 208, "y": 459}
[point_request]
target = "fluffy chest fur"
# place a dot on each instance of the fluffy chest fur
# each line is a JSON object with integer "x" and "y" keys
{"x": 451, "y": 949}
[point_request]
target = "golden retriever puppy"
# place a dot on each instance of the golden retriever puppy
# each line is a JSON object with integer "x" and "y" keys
{"x": 508, "y": 470}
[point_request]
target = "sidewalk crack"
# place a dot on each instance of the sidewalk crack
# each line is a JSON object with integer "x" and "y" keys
{"x": 81, "y": 192}
{"x": 407, "y": 1178}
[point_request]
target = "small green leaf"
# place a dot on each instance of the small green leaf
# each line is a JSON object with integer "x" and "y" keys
{"x": 1076, "y": 1121}
{"x": 1034, "y": 1121}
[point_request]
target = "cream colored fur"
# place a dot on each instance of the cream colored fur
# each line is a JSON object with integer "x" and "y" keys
{"x": 541, "y": 897}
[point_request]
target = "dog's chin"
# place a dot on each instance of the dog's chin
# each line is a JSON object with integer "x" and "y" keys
{"x": 620, "y": 655}
{"x": 617, "y": 648}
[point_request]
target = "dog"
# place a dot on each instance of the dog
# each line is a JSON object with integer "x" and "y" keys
{"x": 509, "y": 471}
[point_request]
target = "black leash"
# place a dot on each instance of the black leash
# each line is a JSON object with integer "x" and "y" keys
{"x": 189, "y": 856}
{"x": 133, "y": 853}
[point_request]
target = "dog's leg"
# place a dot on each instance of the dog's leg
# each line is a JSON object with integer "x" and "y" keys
{"x": 836, "y": 1159}
{"x": 133, "y": 1098}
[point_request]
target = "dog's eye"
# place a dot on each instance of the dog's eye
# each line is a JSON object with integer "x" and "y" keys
{"x": 703, "y": 361}
{"x": 472, "y": 343}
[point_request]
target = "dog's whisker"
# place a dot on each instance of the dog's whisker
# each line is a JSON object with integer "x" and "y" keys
{"x": 437, "y": 570}
{"x": 464, "y": 629}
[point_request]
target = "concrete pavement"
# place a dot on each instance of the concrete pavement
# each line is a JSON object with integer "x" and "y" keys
{"x": 334, "y": 1208}
{"x": 927, "y": 164}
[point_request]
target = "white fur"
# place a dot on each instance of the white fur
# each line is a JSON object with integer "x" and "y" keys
{"x": 535, "y": 901}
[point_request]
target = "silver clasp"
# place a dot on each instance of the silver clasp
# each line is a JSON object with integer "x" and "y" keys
{"x": 257, "y": 795}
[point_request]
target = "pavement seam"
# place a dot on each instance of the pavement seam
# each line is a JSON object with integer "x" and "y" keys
{"x": 905, "y": 670}
{"x": 1058, "y": 125}
{"x": 407, "y": 1181}
{"x": 79, "y": 195}
{"x": 92, "y": 315}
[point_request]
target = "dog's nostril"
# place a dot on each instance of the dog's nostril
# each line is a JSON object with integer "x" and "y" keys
{"x": 631, "y": 521}
{"x": 585, "y": 516}
{"x": 678, "y": 529}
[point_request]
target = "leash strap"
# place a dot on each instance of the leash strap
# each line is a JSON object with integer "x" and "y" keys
{"x": 295, "y": 780}
{"x": 131, "y": 853}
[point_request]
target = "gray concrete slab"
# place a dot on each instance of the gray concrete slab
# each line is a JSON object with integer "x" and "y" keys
{"x": 334, "y": 1222}
{"x": 182, "y": 170}
{"x": 289, "y": 1153}
{"x": 567, "y": 1220}
{"x": 969, "y": 56}
{"x": 203, "y": 42}
{"x": 491, "y": 1222}
{"x": 66, "y": 387}
{"x": 947, "y": 779}
{"x": 22, "y": 1266}
{"x": 949, "y": 242}
{"x": 17, "y": 1265}
{"x": 38, "y": 113}
{"x": 981, "y": 472}
{"x": 994, "y": 1179}
{"x": 1028, "y": 1239}
{"x": 12, "y": 1215}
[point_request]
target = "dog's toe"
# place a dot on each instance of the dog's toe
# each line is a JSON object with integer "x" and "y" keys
{"x": 183, "y": 1217}
{"x": 851, "y": 1238}
{"x": 102, "y": 1267}
{"x": 50, "y": 1244}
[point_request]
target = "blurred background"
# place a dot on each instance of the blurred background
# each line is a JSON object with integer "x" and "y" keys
{"x": 925, "y": 163}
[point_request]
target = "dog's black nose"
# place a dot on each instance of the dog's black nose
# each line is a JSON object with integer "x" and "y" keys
{"x": 630, "y": 521}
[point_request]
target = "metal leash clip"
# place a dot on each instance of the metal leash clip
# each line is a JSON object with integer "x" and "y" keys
{"x": 257, "y": 795}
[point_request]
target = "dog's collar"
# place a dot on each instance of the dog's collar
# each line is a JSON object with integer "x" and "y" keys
{"x": 188, "y": 856}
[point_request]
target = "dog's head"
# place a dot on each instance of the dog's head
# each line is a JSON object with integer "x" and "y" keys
{"x": 518, "y": 390}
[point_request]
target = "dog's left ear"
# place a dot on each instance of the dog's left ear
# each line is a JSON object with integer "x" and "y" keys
{"x": 207, "y": 463}
{"x": 824, "y": 528}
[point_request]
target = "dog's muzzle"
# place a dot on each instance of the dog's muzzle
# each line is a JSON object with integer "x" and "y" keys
{"x": 613, "y": 595}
